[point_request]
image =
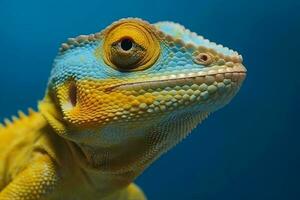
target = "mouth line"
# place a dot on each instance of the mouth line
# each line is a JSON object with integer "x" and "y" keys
{"x": 185, "y": 78}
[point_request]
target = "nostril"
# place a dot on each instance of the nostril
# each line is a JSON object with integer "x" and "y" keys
{"x": 73, "y": 94}
{"x": 203, "y": 59}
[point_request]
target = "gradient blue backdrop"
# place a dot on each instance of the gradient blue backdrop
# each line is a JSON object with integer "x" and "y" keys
{"x": 248, "y": 150}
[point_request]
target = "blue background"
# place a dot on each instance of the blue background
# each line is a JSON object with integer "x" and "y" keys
{"x": 248, "y": 150}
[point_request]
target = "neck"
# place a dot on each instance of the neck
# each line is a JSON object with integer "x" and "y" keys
{"x": 96, "y": 172}
{"x": 118, "y": 164}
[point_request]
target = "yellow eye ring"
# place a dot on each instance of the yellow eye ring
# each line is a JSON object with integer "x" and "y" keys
{"x": 130, "y": 45}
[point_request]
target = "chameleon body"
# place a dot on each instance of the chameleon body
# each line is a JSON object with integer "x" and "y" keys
{"x": 115, "y": 101}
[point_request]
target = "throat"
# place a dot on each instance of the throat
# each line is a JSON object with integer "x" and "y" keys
{"x": 113, "y": 166}
{"x": 122, "y": 161}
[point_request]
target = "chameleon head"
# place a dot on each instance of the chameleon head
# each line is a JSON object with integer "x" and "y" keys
{"x": 138, "y": 81}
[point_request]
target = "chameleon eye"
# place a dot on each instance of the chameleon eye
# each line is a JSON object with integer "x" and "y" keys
{"x": 130, "y": 46}
{"x": 126, "y": 54}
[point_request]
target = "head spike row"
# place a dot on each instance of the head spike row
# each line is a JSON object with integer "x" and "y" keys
{"x": 83, "y": 39}
{"x": 79, "y": 41}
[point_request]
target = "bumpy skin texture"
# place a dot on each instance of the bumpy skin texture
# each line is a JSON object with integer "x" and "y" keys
{"x": 116, "y": 100}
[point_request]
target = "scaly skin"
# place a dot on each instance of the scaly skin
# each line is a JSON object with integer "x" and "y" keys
{"x": 115, "y": 101}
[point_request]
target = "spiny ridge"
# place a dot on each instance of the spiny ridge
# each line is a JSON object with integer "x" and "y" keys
{"x": 14, "y": 119}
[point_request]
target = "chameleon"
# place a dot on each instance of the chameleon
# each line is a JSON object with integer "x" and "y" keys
{"x": 115, "y": 102}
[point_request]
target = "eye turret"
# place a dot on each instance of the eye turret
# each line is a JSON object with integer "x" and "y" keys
{"x": 130, "y": 46}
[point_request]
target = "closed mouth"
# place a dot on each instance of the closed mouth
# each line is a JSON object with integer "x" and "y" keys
{"x": 183, "y": 79}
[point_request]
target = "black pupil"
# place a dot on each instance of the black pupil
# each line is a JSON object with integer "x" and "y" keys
{"x": 126, "y": 44}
